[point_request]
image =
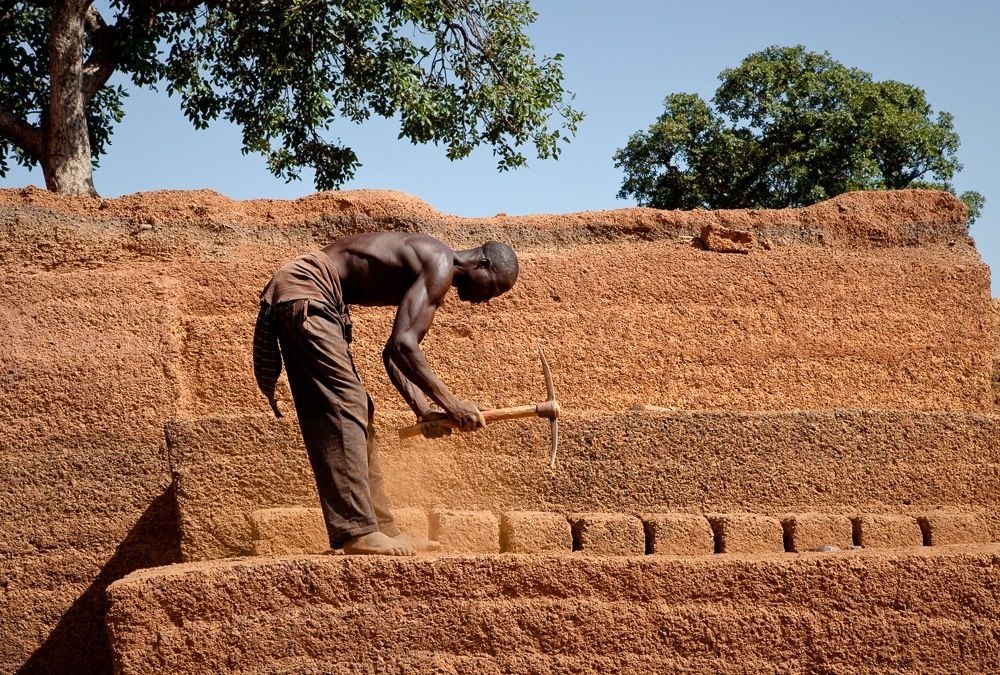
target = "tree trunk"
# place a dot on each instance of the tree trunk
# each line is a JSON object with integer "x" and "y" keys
{"x": 66, "y": 153}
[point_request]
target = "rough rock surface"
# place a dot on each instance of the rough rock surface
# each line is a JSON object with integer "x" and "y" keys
{"x": 944, "y": 528}
{"x": 607, "y": 534}
{"x": 121, "y": 314}
{"x": 873, "y": 530}
{"x": 746, "y": 533}
{"x": 412, "y": 521}
{"x": 723, "y": 240}
{"x": 813, "y": 531}
{"x": 926, "y": 610}
{"x": 629, "y": 462}
{"x": 678, "y": 534}
{"x": 996, "y": 351}
{"x": 535, "y": 532}
{"x": 465, "y": 531}
{"x": 288, "y": 531}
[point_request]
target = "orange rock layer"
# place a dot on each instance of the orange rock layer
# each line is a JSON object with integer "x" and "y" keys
{"x": 122, "y": 314}
{"x": 930, "y": 611}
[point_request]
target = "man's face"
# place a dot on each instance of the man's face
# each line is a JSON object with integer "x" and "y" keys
{"x": 481, "y": 285}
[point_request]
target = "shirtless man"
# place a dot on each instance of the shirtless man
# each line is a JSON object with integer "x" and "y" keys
{"x": 304, "y": 308}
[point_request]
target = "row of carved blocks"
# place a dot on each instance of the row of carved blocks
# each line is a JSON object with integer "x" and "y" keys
{"x": 301, "y": 530}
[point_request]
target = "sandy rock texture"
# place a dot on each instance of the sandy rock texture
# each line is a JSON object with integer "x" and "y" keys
{"x": 856, "y": 611}
{"x": 86, "y": 383}
{"x": 869, "y": 300}
{"x": 465, "y": 531}
{"x": 122, "y": 314}
{"x": 943, "y": 528}
{"x": 294, "y": 531}
{"x": 886, "y": 531}
{"x": 996, "y": 352}
{"x": 535, "y": 532}
{"x": 678, "y": 534}
{"x": 813, "y": 531}
{"x": 607, "y": 534}
{"x": 828, "y": 461}
{"x": 742, "y": 533}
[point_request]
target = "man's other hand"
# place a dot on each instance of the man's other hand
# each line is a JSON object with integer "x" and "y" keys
{"x": 432, "y": 424}
{"x": 467, "y": 416}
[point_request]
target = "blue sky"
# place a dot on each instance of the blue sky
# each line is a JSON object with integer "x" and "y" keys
{"x": 621, "y": 59}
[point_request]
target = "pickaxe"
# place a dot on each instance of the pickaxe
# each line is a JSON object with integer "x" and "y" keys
{"x": 549, "y": 409}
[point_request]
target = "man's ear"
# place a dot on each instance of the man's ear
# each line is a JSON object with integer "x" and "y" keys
{"x": 484, "y": 263}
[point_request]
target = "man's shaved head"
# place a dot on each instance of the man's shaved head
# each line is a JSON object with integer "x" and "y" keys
{"x": 503, "y": 261}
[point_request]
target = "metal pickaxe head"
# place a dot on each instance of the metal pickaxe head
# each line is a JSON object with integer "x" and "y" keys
{"x": 550, "y": 407}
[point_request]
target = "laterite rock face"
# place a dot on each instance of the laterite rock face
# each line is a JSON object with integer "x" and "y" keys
{"x": 942, "y": 528}
{"x": 886, "y": 531}
{"x": 678, "y": 534}
{"x": 465, "y": 531}
{"x": 831, "y": 462}
{"x": 935, "y": 610}
{"x": 535, "y": 532}
{"x": 608, "y": 534}
{"x": 744, "y": 533}
{"x": 288, "y": 531}
{"x": 814, "y": 531}
{"x": 127, "y": 316}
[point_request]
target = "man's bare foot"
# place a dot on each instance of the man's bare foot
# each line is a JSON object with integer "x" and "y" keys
{"x": 417, "y": 544}
{"x": 377, "y": 543}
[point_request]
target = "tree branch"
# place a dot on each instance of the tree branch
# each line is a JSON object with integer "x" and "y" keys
{"x": 103, "y": 60}
{"x": 25, "y": 136}
{"x": 468, "y": 43}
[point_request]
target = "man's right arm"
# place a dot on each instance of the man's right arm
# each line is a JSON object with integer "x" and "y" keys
{"x": 414, "y": 397}
{"x": 413, "y": 319}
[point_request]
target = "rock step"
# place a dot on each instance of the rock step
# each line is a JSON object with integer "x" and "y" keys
{"x": 292, "y": 531}
{"x": 656, "y": 322}
{"x": 831, "y": 461}
{"x": 922, "y": 610}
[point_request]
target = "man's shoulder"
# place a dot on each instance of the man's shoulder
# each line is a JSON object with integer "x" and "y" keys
{"x": 429, "y": 249}
{"x": 391, "y": 241}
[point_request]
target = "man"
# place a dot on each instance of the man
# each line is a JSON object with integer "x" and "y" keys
{"x": 304, "y": 309}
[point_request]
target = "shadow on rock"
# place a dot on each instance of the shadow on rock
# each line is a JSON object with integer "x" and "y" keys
{"x": 79, "y": 642}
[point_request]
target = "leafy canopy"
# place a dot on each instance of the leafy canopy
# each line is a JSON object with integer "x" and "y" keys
{"x": 790, "y": 128}
{"x": 460, "y": 73}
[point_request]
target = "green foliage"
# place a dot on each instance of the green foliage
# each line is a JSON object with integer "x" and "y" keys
{"x": 459, "y": 73}
{"x": 790, "y": 128}
{"x": 975, "y": 202}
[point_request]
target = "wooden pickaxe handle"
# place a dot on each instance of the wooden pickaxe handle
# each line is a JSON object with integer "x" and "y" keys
{"x": 548, "y": 409}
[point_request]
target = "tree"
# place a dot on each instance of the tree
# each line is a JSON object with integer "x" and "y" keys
{"x": 461, "y": 73}
{"x": 790, "y": 128}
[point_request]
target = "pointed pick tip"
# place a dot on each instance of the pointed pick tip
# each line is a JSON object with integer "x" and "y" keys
{"x": 555, "y": 444}
{"x": 547, "y": 373}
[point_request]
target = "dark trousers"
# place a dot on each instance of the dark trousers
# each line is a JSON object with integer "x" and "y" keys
{"x": 336, "y": 416}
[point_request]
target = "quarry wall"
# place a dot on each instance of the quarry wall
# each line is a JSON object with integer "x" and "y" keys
{"x": 996, "y": 352}
{"x": 123, "y": 314}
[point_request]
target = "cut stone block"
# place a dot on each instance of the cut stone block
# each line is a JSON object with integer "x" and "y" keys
{"x": 465, "y": 531}
{"x": 535, "y": 532}
{"x": 886, "y": 531}
{"x": 942, "y": 528}
{"x": 810, "y": 531}
{"x": 412, "y": 521}
{"x": 288, "y": 531}
{"x": 746, "y": 533}
{"x": 678, "y": 534}
{"x": 608, "y": 534}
